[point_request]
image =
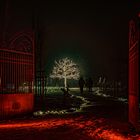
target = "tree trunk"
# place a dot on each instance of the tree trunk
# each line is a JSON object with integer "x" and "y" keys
{"x": 65, "y": 82}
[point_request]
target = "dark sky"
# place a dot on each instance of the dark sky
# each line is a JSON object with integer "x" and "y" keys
{"x": 94, "y": 34}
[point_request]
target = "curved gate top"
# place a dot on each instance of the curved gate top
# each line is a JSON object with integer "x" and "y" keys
{"x": 23, "y": 42}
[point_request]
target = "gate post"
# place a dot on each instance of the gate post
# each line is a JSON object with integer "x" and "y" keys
{"x": 134, "y": 73}
{"x": 41, "y": 87}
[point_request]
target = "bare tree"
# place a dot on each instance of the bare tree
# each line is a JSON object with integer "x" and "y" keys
{"x": 65, "y": 69}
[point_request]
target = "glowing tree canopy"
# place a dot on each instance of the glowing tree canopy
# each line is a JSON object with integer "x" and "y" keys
{"x": 65, "y": 69}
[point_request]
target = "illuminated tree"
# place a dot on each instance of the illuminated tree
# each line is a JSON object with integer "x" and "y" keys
{"x": 65, "y": 69}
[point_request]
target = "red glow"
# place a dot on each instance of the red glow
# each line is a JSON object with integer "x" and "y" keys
{"x": 11, "y": 104}
{"x": 133, "y": 73}
{"x": 92, "y": 128}
{"x": 139, "y": 14}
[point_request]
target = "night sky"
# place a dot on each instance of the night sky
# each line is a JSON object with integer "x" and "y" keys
{"x": 94, "y": 35}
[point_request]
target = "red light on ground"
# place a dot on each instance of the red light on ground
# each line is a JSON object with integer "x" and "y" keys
{"x": 91, "y": 128}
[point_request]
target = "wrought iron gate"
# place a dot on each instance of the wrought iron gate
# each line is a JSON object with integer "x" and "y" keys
{"x": 134, "y": 41}
{"x": 40, "y": 90}
{"x": 17, "y": 75}
{"x": 17, "y": 65}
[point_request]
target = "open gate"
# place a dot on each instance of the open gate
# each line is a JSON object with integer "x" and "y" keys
{"x": 17, "y": 75}
{"x": 134, "y": 42}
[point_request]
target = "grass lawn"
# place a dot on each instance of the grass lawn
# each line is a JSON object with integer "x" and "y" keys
{"x": 54, "y": 100}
